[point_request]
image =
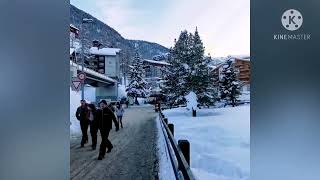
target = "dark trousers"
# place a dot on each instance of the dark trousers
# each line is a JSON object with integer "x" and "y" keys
{"x": 84, "y": 129}
{"x": 94, "y": 132}
{"x": 105, "y": 143}
{"x": 120, "y": 120}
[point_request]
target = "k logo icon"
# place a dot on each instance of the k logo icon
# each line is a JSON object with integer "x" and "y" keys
{"x": 292, "y": 20}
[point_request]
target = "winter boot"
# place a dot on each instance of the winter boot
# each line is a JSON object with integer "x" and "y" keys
{"x": 109, "y": 149}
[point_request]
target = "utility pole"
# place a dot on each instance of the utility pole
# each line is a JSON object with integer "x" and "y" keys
{"x": 84, "y": 20}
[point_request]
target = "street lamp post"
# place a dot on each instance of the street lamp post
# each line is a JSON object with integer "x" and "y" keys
{"x": 84, "y": 20}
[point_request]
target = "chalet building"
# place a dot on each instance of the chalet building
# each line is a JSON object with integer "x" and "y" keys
{"x": 101, "y": 66}
{"x": 242, "y": 65}
{"x": 74, "y": 33}
{"x": 153, "y": 71}
{"x": 153, "y": 68}
{"x": 242, "y": 68}
{"x": 104, "y": 60}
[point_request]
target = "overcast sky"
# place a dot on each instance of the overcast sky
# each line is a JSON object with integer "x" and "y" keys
{"x": 224, "y": 25}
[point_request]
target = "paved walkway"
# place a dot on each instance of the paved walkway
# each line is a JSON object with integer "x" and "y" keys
{"x": 134, "y": 156}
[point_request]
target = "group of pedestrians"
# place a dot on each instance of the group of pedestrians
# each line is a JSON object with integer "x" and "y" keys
{"x": 99, "y": 119}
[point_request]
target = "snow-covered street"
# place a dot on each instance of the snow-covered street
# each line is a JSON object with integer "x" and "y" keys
{"x": 133, "y": 156}
{"x": 219, "y": 140}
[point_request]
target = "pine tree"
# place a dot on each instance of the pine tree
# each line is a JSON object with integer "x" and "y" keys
{"x": 171, "y": 83}
{"x": 229, "y": 84}
{"x": 137, "y": 84}
{"x": 175, "y": 75}
{"x": 188, "y": 71}
{"x": 199, "y": 79}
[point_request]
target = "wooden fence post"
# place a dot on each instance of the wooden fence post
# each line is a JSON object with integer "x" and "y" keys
{"x": 165, "y": 120}
{"x": 184, "y": 146}
{"x": 156, "y": 108}
{"x": 171, "y": 128}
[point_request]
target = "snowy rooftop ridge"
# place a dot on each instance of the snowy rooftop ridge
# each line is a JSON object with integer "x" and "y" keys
{"x": 92, "y": 72}
{"x": 156, "y": 62}
{"x": 73, "y": 26}
{"x": 104, "y": 51}
{"x": 240, "y": 57}
{"x": 212, "y": 66}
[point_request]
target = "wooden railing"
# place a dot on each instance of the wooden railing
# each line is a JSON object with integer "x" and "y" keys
{"x": 179, "y": 152}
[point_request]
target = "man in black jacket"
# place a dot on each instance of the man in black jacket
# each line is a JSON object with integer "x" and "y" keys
{"x": 105, "y": 116}
{"x": 82, "y": 116}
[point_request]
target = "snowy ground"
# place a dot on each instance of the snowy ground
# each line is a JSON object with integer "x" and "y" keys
{"x": 165, "y": 167}
{"x": 75, "y": 98}
{"x": 219, "y": 138}
{"x": 245, "y": 96}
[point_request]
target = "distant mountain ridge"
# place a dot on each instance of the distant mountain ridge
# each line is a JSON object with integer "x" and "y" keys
{"x": 109, "y": 37}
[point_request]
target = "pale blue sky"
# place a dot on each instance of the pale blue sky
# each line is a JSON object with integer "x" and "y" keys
{"x": 224, "y": 25}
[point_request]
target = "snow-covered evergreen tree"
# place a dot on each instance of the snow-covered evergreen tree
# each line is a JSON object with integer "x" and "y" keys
{"x": 229, "y": 85}
{"x": 137, "y": 84}
{"x": 188, "y": 71}
{"x": 174, "y": 86}
{"x": 171, "y": 83}
{"x": 199, "y": 80}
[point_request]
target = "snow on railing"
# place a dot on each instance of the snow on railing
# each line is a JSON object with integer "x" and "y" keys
{"x": 92, "y": 72}
{"x": 181, "y": 150}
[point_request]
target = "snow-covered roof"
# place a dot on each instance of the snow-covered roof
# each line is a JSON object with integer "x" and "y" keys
{"x": 73, "y": 26}
{"x": 240, "y": 57}
{"x": 156, "y": 62}
{"x": 71, "y": 50}
{"x": 92, "y": 72}
{"x": 104, "y": 51}
{"x": 212, "y": 67}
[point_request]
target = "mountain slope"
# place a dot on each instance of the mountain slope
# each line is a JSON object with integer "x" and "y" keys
{"x": 111, "y": 38}
{"x": 149, "y": 49}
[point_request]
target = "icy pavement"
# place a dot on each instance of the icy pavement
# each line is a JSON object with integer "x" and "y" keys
{"x": 134, "y": 155}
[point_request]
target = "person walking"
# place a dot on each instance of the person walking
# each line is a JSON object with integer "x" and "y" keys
{"x": 119, "y": 113}
{"x": 92, "y": 117}
{"x": 127, "y": 103}
{"x": 82, "y": 116}
{"x": 105, "y": 116}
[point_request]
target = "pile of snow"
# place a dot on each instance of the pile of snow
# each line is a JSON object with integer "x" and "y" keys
{"x": 122, "y": 91}
{"x": 191, "y": 101}
{"x": 219, "y": 141}
{"x": 75, "y": 98}
{"x": 90, "y": 93}
{"x": 245, "y": 96}
{"x": 141, "y": 101}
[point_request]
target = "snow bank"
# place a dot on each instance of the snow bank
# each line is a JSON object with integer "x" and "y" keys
{"x": 219, "y": 138}
{"x": 75, "y": 98}
{"x": 90, "y": 93}
{"x": 191, "y": 101}
{"x": 141, "y": 101}
{"x": 122, "y": 91}
{"x": 245, "y": 96}
{"x": 165, "y": 167}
